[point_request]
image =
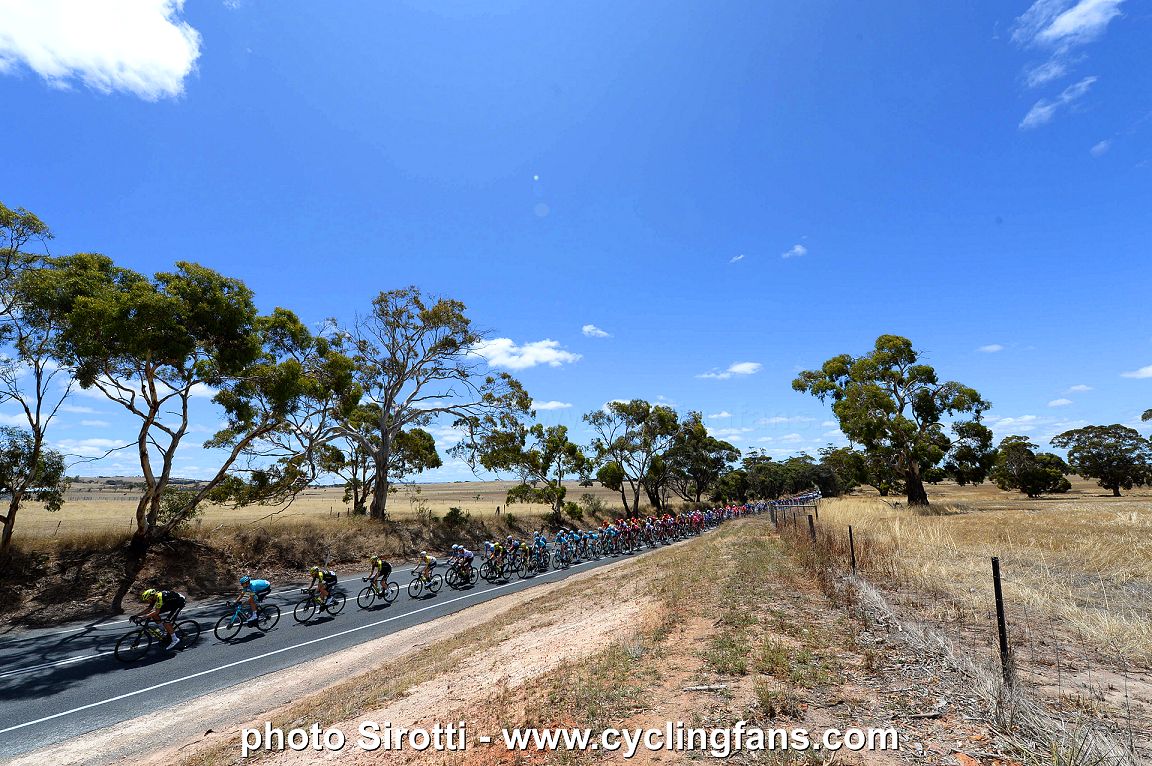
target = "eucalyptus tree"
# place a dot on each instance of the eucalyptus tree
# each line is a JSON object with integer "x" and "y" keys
{"x": 891, "y": 404}
{"x": 153, "y": 345}
{"x": 632, "y": 435}
{"x": 30, "y": 377}
{"x": 1018, "y": 466}
{"x": 696, "y": 460}
{"x": 1117, "y": 456}
{"x": 418, "y": 362}
{"x": 542, "y": 457}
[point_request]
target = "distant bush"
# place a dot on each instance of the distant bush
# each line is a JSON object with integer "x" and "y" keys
{"x": 574, "y": 512}
{"x": 456, "y": 517}
{"x": 591, "y": 504}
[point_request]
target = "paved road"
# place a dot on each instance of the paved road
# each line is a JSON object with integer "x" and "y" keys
{"x": 56, "y": 684}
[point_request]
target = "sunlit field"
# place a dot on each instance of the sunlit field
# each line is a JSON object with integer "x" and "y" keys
{"x": 1081, "y": 559}
{"x": 95, "y": 507}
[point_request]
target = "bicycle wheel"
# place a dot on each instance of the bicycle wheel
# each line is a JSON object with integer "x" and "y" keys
{"x": 452, "y": 577}
{"x": 415, "y": 588}
{"x": 337, "y": 605}
{"x": 269, "y": 616}
{"x": 366, "y": 597}
{"x": 304, "y": 610}
{"x": 486, "y": 571}
{"x": 227, "y": 627}
{"x": 188, "y": 631}
{"x": 133, "y": 646}
{"x": 435, "y": 583}
{"x": 391, "y": 591}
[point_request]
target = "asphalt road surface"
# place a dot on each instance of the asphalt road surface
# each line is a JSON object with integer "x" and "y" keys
{"x": 60, "y": 683}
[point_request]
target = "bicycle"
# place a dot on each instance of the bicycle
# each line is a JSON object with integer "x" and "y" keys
{"x": 374, "y": 590}
{"x": 228, "y": 626}
{"x": 135, "y": 643}
{"x": 311, "y": 604}
{"x": 420, "y": 583}
{"x": 460, "y": 575}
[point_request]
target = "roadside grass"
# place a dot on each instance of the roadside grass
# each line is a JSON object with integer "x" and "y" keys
{"x": 1082, "y": 564}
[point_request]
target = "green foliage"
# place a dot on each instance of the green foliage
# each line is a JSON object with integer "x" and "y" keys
{"x": 542, "y": 456}
{"x": 415, "y": 363}
{"x": 39, "y": 473}
{"x": 894, "y": 406}
{"x": 972, "y": 455}
{"x": 1019, "y": 467}
{"x": 1116, "y": 456}
{"x": 573, "y": 511}
{"x": 591, "y": 504}
{"x": 456, "y": 517}
{"x": 695, "y": 461}
{"x": 632, "y": 435}
{"x": 847, "y": 465}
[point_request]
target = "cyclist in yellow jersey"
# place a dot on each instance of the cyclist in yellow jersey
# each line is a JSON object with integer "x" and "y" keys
{"x": 323, "y": 580}
{"x": 428, "y": 562}
{"x": 164, "y": 607}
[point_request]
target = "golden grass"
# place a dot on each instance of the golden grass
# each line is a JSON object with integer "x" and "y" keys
{"x": 1081, "y": 559}
{"x": 92, "y": 507}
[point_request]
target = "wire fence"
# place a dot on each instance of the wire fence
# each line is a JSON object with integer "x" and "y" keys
{"x": 1097, "y": 696}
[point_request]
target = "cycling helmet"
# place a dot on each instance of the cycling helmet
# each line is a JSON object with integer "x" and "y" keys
{"x": 314, "y": 571}
{"x": 245, "y": 580}
{"x": 376, "y": 560}
{"x": 148, "y": 595}
{"x": 423, "y": 554}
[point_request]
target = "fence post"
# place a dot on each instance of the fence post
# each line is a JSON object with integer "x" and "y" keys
{"x": 812, "y": 529}
{"x": 1002, "y": 623}
{"x": 816, "y": 510}
{"x": 852, "y": 549}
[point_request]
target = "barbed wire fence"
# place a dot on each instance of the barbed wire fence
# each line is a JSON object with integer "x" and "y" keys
{"x": 1043, "y": 672}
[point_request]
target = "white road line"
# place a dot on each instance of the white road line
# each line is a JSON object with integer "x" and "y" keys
{"x": 262, "y": 656}
{"x": 70, "y": 660}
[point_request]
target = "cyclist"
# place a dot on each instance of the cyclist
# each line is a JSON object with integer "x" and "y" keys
{"x": 466, "y": 557}
{"x": 428, "y": 562}
{"x": 323, "y": 580}
{"x": 381, "y": 569}
{"x": 252, "y": 591}
{"x": 163, "y": 607}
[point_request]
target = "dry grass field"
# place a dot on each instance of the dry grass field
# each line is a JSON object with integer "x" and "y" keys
{"x": 93, "y": 507}
{"x": 1081, "y": 560}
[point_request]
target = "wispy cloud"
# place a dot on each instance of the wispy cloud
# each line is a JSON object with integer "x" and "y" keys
{"x": 778, "y": 419}
{"x": 796, "y": 251}
{"x": 737, "y": 368}
{"x": 1101, "y": 148}
{"x": 1059, "y": 402}
{"x": 95, "y": 423}
{"x": 592, "y": 331}
{"x": 1045, "y": 109}
{"x": 77, "y": 409}
{"x": 1143, "y": 372}
{"x": 1079, "y": 388}
{"x": 503, "y": 352}
{"x": 1064, "y": 24}
{"x": 991, "y": 348}
{"x": 551, "y": 405}
{"x": 722, "y": 414}
{"x": 728, "y": 434}
{"x": 143, "y": 47}
{"x": 736, "y": 258}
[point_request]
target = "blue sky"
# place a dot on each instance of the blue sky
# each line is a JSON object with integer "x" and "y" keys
{"x": 745, "y": 186}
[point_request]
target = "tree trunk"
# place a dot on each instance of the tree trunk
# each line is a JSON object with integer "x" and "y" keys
{"x": 914, "y": 486}
{"x": 636, "y": 500}
{"x": 9, "y": 525}
{"x": 1115, "y": 492}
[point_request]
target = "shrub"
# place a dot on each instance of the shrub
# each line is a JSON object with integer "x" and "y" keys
{"x": 591, "y": 504}
{"x": 574, "y": 512}
{"x": 456, "y": 517}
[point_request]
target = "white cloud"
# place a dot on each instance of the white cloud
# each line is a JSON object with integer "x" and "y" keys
{"x": 737, "y": 368}
{"x": 1045, "y": 73}
{"x": 1100, "y": 148}
{"x": 777, "y": 419}
{"x": 77, "y": 409}
{"x": 552, "y": 405}
{"x": 1045, "y": 109}
{"x": 796, "y": 251}
{"x": 791, "y": 438}
{"x": 1143, "y": 372}
{"x": 736, "y": 258}
{"x": 87, "y": 447}
{"x": 502, "y": 352}
{"x": 830, "y": 424}
{"x": 95, "y": 423}
{"x": 592, "y": 331}
{"x": 728, "y": 434}
{"x": 835, "y": 433}
{"x": 13, "y": 420}
{"x": 1059, "y": 402}
{"x": 991, "y": 348}
{"x": 143, "y": 47}
{"x": 1079, "y": 388}
{"x": 720, "y": 415}
{"x": 1054, "y": 23}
